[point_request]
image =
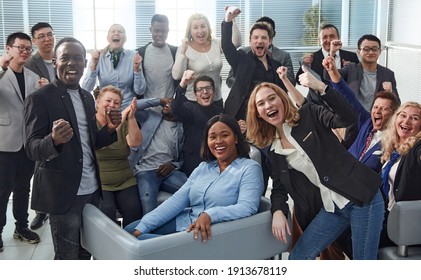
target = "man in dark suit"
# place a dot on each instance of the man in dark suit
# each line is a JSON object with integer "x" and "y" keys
{"x": 367, "y": 147}
{"x": 42, "y": 64}
{"x": 61, "y": 136}
{"x": 276, "y": 53}
{"x": 327, "y": 34}
{"x": 249, "y": 68}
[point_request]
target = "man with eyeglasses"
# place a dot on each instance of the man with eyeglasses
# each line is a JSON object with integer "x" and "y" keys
{"x": 42, "y": 61}
{"x": 16, "y": 169}
{"x": 194, "y": 114}
{"x": 42, "y": 64}
{"x": 367, "y": 77}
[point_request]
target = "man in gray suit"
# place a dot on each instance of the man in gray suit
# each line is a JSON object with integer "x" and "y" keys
{"x": 367, "y": 77}
{"x": 276, "y": 53}
{"x": 42, "y": 64}
{"x": 42, "y": 61}
{"x": 16, "y": 169}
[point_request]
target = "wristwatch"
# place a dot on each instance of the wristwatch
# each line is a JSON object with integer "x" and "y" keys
{"x": 2, "y": 70}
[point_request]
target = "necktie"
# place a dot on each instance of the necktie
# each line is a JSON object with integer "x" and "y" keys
{"x": 115, "y": 57}
{"x": 394, "y": 156}
{"x": 367, "y": 142}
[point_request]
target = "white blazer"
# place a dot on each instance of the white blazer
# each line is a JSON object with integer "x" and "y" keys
{"x": 12, "y": 131}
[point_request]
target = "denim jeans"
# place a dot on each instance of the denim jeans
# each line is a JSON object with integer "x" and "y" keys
{"x": 149, "y": 184}
{"x": 65, "y": 229}
{"x": 166, "y": 228}
{"x": 366, "y": 224}
{"x": 16, "y": 170}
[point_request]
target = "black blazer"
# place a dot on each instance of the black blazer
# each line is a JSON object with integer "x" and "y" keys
{"x": 407, "y": 184}
{"x": 58, "y": 170}
{"x": 318, "y": 59}
{"x": 338, "y": 170}
{"x": 194, "y": 118}
{"x": 243, "y": 65}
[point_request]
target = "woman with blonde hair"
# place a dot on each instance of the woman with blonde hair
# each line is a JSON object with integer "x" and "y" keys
{"x": 202, "y": 53}
{"x": 401, "y": 172}
{"x": 117, "y": 66}
{"x": 330, "y": 188}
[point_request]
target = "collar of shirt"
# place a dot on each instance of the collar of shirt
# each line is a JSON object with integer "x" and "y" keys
{"x": 337, "y": 58}
{"x": 277, "y": 146}
{"x": 307, "y": 167}
{"x": 376, "y": 138}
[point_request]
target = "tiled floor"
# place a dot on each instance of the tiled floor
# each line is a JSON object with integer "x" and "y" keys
{"x": 18, "y": 250}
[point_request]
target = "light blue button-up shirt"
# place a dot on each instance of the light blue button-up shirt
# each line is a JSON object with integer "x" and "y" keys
{"x": 233, "y": 194}
{"x": 130, "y": 83}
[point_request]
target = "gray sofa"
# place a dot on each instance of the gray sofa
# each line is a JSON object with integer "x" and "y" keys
{"x": 247, "y": 238}
{"x": 404, "y": 228}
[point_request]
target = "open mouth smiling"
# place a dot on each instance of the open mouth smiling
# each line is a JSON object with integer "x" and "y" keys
{"x": 272, "y": 114}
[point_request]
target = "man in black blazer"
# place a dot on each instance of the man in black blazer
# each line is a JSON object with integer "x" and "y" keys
{"x": 249, "y": 68}
{"x": 327, "y": 34}
{"x": 61, "y": 136}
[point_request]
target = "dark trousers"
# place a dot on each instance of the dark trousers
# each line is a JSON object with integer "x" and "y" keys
{"x": 16, "y": 171}
{"x": 126, "y": 201}
{"x": 65, "y": 229}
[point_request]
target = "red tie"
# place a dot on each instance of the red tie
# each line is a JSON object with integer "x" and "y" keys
{"x": 367, "y": 142}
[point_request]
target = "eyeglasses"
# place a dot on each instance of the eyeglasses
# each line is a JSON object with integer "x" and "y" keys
{"x": 368, "y": 49}
{"x": 202, "y": 89}
{"x": 43, "y": 37}
{"x": 22, "y": 49}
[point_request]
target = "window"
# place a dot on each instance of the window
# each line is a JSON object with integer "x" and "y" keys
{"x": 404, "y": 47}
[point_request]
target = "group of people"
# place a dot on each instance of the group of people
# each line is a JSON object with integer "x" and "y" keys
{"x": 345, "y": 153}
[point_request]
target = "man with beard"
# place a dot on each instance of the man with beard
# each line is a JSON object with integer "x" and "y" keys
{"x": 249, "y": 68}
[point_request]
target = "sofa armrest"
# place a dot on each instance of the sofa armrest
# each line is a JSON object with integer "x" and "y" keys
{"x": 404, "y": 223}
{"x": 247, "y": 238}
{"x": 403, "y": 228}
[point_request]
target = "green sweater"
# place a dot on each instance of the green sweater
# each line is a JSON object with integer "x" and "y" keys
{"x": 114, "y": 167}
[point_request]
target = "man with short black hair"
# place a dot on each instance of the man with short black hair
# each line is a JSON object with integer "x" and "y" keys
{"x": 368, "y": 77}
{"x": 42, "y": 64}
{"x": 62, "y": 137}
{"x": 157, "y": 60}
{"x": 42, "y": 61}
{"x": 16, "y": 169}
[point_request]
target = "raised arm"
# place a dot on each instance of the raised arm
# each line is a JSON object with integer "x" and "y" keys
{"x": 292, "y": 90}
{"x": 342, "y": 87}
{"x": 89, "y": 81}
{"x": 139, "y": 83}
{"x": 181, "y": 61}
{"x": 228, "y": 47}
{"x": 134, "y": 135}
